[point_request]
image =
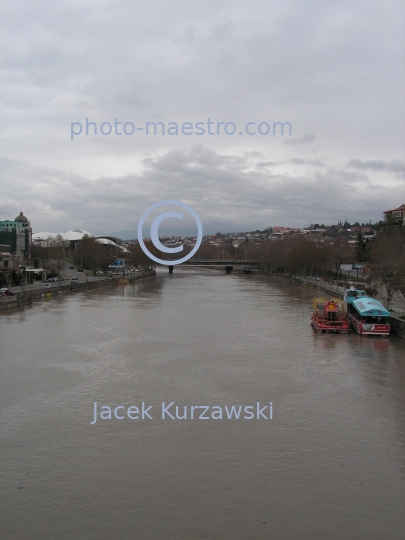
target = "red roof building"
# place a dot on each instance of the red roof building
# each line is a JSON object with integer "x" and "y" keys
{"x": 396, "y": 215}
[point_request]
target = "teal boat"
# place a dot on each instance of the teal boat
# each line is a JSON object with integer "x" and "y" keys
{"x": 367, "y": 315}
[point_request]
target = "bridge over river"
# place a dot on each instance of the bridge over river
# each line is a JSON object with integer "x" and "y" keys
{"x": 248, "y": 266}
{"x": 221, "y": 262}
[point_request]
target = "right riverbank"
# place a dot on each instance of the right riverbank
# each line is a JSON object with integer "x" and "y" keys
{"x": 397, "y": 324}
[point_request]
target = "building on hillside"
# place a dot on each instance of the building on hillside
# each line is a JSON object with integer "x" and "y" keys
{"x": 395, "y": 216}
{"x": 285, "y": 230}
{"x": 313, "y": 232}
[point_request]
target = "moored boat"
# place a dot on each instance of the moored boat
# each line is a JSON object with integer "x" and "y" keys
{"x": 367, "y": 316}
{"x": 329, "y": 316}
{"x": 250, "y": 269}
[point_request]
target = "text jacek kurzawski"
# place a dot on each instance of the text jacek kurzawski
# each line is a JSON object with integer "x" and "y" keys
{"x": 171, "y": 411}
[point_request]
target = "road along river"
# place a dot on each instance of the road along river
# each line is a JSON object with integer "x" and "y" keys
{"x": 329, "y": 464}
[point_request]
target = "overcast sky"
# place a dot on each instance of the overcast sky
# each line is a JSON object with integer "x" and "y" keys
{"x": 333, "y": 69}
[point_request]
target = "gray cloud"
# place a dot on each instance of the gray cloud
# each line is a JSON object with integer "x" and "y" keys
{"x": 313, "y": 162}
{"x": 395, "y": 165}
{"x": 305, "y": 139}
{"x": 228, "y": 193}
{"x": 322, "y": 66}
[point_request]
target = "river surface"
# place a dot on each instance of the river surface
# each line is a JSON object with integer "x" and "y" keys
{"x": 329, "y": 465}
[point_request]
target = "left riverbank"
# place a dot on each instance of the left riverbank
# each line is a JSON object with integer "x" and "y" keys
{"x": 27, "y": 296}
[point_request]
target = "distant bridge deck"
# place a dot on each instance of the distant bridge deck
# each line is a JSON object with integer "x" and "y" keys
{"x": 220, "y": 262}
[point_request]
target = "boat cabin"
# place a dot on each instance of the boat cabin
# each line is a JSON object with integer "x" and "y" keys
{"x": 368, "y": 316}
{"x": 329, "y": 316}
{"x": 328, "y": 309}
{"x": 352, "y": 294}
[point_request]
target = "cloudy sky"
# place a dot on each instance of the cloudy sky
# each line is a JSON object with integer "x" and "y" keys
{"x": 333, "y": 69}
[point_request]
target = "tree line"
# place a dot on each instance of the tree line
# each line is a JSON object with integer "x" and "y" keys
{"x": 383, "y": 255}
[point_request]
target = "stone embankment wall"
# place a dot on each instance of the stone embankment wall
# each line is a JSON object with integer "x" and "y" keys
{"x": 337, "y": 292}
{"x": 32, "y": 294}
{"x": 398, "y": 326}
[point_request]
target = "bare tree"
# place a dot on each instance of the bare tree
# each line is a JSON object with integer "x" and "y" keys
{"x": 57, "y": 253}
{"x": 139, "y": 258}
{"x": 42, "y": 252}
{"x": 93, "y": 255}
{"x": 341, "y": 253}
{"x": 388, "y": 268}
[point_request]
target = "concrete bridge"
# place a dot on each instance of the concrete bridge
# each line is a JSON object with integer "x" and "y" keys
{"x": 220, "y": 262}
{"x": 246, "y": 266}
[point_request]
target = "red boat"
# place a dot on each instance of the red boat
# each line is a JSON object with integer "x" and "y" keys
{"x": 329, "y": 316}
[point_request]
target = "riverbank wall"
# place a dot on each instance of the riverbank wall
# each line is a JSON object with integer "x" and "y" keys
{"x": 27, "y": 296}
{"x": 397, "y": 326}
{"x": 337, "y": 292}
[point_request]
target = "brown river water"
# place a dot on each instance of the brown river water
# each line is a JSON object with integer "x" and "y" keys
{"x": 329, "y": 465}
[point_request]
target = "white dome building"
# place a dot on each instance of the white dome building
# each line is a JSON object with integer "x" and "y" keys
{"x": 43, "y": 236}
{"x": 76, "y": 234}
{"x": 108, "y": 242}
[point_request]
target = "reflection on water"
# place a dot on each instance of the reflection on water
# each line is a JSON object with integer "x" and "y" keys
{"x": 329, "y": 465}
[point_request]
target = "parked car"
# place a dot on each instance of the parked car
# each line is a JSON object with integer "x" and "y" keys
{"x": 47, "y": 285}
{"x": 23, "y": 282}
{"x": 80, "y": 269}
{"x": 71, "y": 267}
{"x": 109, "y": 275}
{"x": 74, "y": 278}
{"x": 5, "y": 291}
